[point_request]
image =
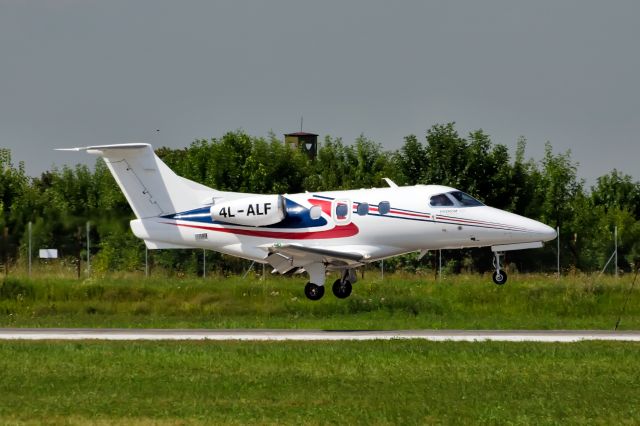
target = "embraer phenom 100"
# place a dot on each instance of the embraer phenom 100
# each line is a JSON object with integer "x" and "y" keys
{"x": 314, "y": 232}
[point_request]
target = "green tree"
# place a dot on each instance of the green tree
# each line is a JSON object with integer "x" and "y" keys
{"x": 446, "y": 156}
{"x": 617, "y": 190}
{"x": 412, "y": 161}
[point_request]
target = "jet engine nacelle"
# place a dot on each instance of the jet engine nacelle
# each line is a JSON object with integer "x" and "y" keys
{"x": 259, "y": 210}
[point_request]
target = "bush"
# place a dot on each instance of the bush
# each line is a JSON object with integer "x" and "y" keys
{"x": 15, "y": 289}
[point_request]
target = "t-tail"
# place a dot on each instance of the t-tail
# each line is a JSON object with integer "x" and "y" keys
{"x": 150, "y": 186}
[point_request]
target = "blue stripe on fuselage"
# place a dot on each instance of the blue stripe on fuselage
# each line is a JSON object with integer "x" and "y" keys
{"x": 297, "y": 217}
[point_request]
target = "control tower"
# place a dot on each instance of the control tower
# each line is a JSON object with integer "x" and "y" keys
{"x": 305, "y": 142}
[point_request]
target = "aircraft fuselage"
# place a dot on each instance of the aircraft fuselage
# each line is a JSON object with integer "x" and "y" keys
{"x": 398, "y": 220}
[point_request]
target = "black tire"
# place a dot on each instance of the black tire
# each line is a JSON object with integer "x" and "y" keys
{"x": 500, "y": 278}
{"x": 313, "y": 291}
{"x": 342, "y": 289}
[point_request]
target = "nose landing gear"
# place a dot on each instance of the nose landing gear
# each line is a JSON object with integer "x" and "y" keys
{"x": 499, "y": 276}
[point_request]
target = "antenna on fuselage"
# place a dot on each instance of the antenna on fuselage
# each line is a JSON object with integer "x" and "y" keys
{"x": 391, "y": 183}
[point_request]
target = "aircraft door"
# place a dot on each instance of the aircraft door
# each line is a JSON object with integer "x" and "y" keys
{"x": 341, "y": 212}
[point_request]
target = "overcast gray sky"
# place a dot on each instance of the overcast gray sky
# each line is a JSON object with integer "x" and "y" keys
{"x": 76, "y": 73}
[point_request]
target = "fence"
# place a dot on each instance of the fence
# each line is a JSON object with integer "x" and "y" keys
{"x": 440, "y": 262}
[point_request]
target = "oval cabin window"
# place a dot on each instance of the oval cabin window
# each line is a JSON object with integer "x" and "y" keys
{"x": 363, "y": 209}
{"x": 384, "y": 207}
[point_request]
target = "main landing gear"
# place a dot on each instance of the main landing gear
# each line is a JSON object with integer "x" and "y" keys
{"x": 499, "y": 276}
{"x": 313, "y": 291}
{"x": 342, "y": 287}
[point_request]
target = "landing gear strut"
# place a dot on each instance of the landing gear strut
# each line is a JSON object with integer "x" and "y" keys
{"x": 314, "y": 290}
{"x": 499, "y": 276}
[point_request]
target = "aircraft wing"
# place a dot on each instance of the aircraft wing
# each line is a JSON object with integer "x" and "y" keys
{"x": 285, "y": 257}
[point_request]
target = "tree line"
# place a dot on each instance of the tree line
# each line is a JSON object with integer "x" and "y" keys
{"x": 62, "y": 200}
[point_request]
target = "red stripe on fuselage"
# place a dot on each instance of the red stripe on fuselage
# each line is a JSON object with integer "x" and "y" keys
{"x": 338, "y": 232}
{"x": 426, "y": 216}
{"x": 324, "y": 205}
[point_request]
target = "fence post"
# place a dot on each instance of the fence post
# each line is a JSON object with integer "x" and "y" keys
{"x": 5, "y": 246}
{"x": 615, "y": 237}
{"x": 558, "y": 249}
{"x": 29, "y": 249}
{"x": 79, "y": 243}
{"x": 88, "y": 250}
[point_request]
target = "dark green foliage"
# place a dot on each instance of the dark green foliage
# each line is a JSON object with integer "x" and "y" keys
{"x": 59, "y": 202}
{"x": 411, "y": 159}
{"x": 15, "y": 289}
{"x": 617, "y": 190}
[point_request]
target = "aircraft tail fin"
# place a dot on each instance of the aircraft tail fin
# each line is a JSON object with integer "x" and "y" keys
{"x": 150, "y": 186}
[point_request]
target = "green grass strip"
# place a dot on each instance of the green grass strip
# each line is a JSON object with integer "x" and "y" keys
{"x": 413, "y": 302}
{"x": 378, "y": 382}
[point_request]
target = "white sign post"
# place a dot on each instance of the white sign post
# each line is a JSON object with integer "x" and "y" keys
{"x": 48, "y": 253}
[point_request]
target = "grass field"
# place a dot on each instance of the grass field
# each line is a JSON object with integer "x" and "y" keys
{"x": 380, "y": 382}
{"x": 374, "y": 382}
{"x": 400, "y": 302}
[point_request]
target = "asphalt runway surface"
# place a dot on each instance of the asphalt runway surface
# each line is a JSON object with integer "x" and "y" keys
{"x": 315, "y": 335}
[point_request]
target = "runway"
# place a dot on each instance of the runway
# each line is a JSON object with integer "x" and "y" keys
{"x": 315, "y": 335}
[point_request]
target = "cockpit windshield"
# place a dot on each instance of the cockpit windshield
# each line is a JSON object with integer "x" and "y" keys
{"x": 440, "y": 200}
{"x": 465, "y": 200}
{"x": 454, "y": 198}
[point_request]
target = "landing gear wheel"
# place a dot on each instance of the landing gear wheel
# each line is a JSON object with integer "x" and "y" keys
{"x": 500, "y": 277}
{"x": 341, "y": 289}
{"x": 313, "y": 291}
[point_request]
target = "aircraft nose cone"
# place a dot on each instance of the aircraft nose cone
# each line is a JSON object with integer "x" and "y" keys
{"x": 538, "y": 231}
{"x": 546, "y": 232}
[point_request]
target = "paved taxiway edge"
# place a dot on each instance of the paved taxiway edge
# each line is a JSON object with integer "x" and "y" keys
{"x": 316, "y": 335}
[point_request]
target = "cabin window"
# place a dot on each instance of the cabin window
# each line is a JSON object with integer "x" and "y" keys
{"x": 384, "y": 207}
{"x": 342, "y": 210}
{"x": 363, "y": 209}
{"x": 440, "y": 200}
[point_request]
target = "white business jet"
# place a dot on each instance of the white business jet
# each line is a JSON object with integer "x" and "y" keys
{"x": 314, "y": 232}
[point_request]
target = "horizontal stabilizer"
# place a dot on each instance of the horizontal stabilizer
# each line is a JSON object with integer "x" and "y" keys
{"x": 107, "y": 147}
